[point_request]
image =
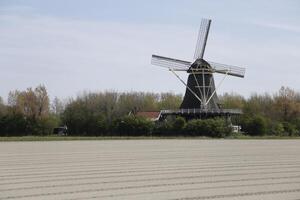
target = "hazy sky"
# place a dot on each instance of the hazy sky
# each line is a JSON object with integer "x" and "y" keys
{"x": 76, "y": 45}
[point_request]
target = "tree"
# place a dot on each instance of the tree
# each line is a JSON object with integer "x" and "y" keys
{"x": 42, "y": 101}
{"x": 290, "y": 129}
{"x": 286, "y": 103}
{"x": 31, "y": 103}
{"x": 278, "y": 129}
{"x": 256, "y": 125}
{"x": 27, "y": 103}
{"x": 232, "y": 101}
{"x": 13, "y": 125}
{"x": 44, "y": 126}
{"x": 2, "y": 107}
{"x": 169, "y": 101}
{"x": 57, "y": 106}
{"x": 12, "y": 101}
{"x": 259, "y": 105}
{"x": 105, "y": 113}
{"x": 28, "y": 112}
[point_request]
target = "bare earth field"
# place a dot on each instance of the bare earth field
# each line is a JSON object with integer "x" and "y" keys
{"x": 151, "y": 169}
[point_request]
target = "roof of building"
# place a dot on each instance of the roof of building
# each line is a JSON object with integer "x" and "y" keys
{"x": 149, "y": 114}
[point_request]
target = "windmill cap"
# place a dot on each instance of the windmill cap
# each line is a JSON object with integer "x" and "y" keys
{"x": 199, "y": 64}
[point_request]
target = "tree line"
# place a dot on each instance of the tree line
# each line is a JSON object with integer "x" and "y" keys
{"x": 30, "y": 112}
{"x": 273, "y": 114}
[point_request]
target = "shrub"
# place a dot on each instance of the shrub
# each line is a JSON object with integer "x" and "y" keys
{"x": 254, "y": 126}
{"x": 102, "y": 126}
{"x": 179, "y": 124}
{"x": 290, "y": 129}
{"x": 172, "y": 126}
{"x": 13, "y": 125}
{"x": 133, "y": 126}
{"x": 208, "y": 127}
{"x": 278, "y": 129}
{"x": 46, "y": 125}
{"x": 163, "y": 128}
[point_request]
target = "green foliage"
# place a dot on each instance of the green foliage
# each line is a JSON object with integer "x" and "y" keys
{"x": 106, "y": 114}
{"x": 290, "y": 129}
{"x": 82, "y": 119}
{"x": 278, "y": 129}
{"x": 208, "y": 127}
{"x": 3, "y": 108}
{"x": 47, "y": 124}
{"x": 254, "y": 126}
{"x": 232, "y": 101}
{"x": 102, "y": 126}
{"x": 172, "y": 126}
{"x": 13, "y": 125}
{"x": 179, "y": 124}
{"x": 169, "y": 101}
{"x": 163, "y": 128}
{"x": 94, "y": 113}
{"x": 296, "y": 122}
{"x": 132, "y": 126}
{"x": 27, "y": 113}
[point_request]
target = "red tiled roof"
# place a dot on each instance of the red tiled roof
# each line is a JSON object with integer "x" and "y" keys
{"x": 151, "y": 115}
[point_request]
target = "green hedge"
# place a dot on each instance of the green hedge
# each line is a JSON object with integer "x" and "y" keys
{"x": 132, "y": 126}
{"x": 208, "y": 127}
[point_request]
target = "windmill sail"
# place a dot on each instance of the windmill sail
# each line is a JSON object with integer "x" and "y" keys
{"x": 228, "y": 69}
{"x": 174, "y": 64}
{"x": 202, "y": 38}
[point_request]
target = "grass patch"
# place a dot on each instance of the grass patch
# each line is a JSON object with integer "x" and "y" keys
{"x": 64, "y": 138}
{"x": 70, "y": 138}
{"x": 264, "y": 137}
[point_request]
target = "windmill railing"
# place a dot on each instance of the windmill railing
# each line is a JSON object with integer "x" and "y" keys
{"x": 202, "y": 111}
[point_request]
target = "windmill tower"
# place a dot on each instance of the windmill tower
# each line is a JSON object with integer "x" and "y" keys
{"x": 200, "y": 96}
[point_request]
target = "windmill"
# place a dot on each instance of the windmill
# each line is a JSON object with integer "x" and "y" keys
{"x": 200, "y": 94}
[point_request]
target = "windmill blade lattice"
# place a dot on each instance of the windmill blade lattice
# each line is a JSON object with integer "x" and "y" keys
{"x": 228, "y": 69}
{"x": 202, "y": 38}
{"x": 174, "y": 64}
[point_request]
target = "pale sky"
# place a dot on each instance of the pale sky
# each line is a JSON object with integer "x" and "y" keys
{"x": 76, "y": 45}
